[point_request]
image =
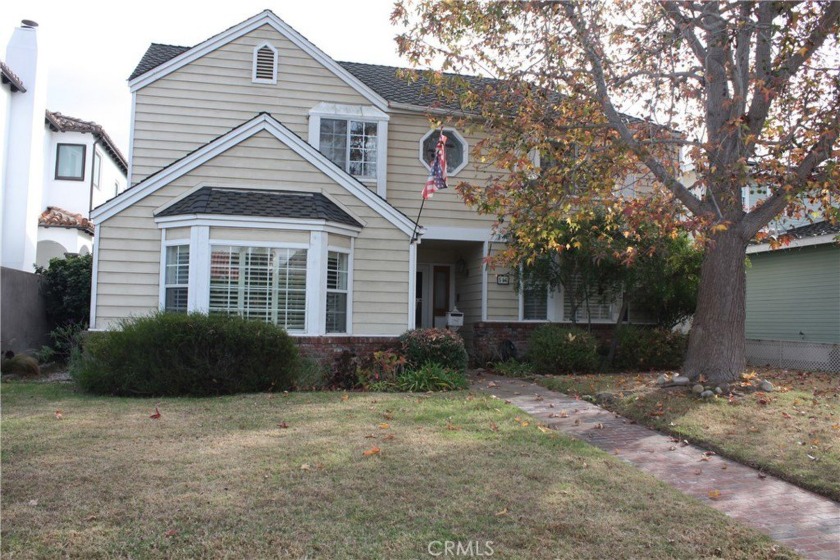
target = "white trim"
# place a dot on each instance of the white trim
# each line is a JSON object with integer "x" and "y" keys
{"x": 201, "y": 282}
{"x": 382, "y": 160}
{"x": 350, "y": 266}
{"x": 263, "y": 18}
{"x": 806, "y": 242}
{"x": 356, "y": 112}
{"x": 316, "y": 286}
{"x": 131, "y": 140}
{"x": 255, "y": 55}
{"x": 412, "y": 286}
{"x": 193, "y": 272}
{"x": 262, "y": 122}
{"x": 162, "y": 271}
{"x": 260, "y": 244}
{"x": 447, "y": 131}
{"x": 94, "y": 282}
{"x": 287, "y": 224}
{"x": 484, "y": 280}
{"x": 448, "y": 233}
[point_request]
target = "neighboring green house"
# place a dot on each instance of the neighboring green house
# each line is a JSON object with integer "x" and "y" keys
{"x": 793, "y": 300}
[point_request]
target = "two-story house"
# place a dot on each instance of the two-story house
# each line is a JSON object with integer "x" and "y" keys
{"x": 271, "y": 181}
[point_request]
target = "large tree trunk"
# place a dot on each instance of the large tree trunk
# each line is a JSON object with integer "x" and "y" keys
{"x": 717, "y": 344}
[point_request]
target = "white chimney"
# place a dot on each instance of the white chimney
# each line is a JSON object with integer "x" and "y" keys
{"x": 24, "y": 178}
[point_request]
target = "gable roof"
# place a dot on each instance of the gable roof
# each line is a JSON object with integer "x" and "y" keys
{"x": 64, "y": 123}
{"x": 158, "y": 67}
{"x": 260, "y": 203}
{"x": 814, "y": 230}
{"x": 818, "y": 233}
{"x": 260, "y": 123}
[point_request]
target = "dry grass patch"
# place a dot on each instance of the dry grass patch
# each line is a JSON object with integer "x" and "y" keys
{"x": 286, "y": 476}
{"x": 792, "y": 432}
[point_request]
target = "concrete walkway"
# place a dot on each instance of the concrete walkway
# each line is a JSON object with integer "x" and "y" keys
{"x": 797, "y": 518}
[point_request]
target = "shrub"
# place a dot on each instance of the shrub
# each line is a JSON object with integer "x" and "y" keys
{"x": 186, "y": 354}
{"x": 344, "y": 373}
{"x": 513, "y": 368}
{"x": 646, "y": 349}
{"x": 310, "y": 375}
{"x": 554, "y": 349}
{"x": 65, "y": 286}
{"x": 438, "y": 346}
{"x": 382, "y": 366}
{"x": 20, "y": 364}
{"x": 431, "y": 376}
{"x": 65, "y": 339}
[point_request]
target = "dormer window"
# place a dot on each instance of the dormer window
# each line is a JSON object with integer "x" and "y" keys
{"x": 265, "y": 65}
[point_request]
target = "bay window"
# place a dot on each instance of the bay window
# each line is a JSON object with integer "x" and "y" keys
{"x": 337, "y": 290}
{"x": 262, "y": 283}
{"x": 176, "y": 278}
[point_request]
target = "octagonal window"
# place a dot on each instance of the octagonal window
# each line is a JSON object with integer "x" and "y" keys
{"x": 456, "y": 150}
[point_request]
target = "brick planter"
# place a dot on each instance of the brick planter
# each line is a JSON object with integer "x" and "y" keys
{"x": 327, "y": 349}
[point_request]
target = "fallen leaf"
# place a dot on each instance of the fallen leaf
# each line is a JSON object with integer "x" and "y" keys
{"x": 58, "y": 414}
{"x": 345, "y": 396}
{"x": 370, "y": 436}
{"x": 724, "y": 466}
{"x": 492, "y": 384}
{"x": 761, "y": 475}
{"x": 372, "y": 451}
{"x": 156, "y": 415}
{"x": 389, "y": 437}
{"x": 714, "y": 494}
{"x": 33, "y": 503}
{"x": 451, "y": 427}
{"x": 171, "y": 533}
{"x": 501, "y": 513}
{"x": 543, "y": 429}
{"x": 384, "y": 426}
{"x": 507, "y": 402}
{"x": 305, "y": 467}
{"x": 282, "y": 425}
{"x": 786, "y": 415}
{"x": 494, "y": 427}
{"x": 388, "y": 415}
{"x": 577, "y": 421}
{"x": 90, "y": 518}
{"x": 672, "y": 448}
{"x": 599, "y": 426}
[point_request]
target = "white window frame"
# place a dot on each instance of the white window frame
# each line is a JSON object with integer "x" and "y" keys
{"x": 447, "y": 132}
{"x": 200, "y": 242}
{"x": 349, "y": 290}
{"x": 96, "y": 170}
{"x": 254, "y": 77}
{"x": 555, "y": 313}
{"x": 360, "y": 113}
{"x": 165, "y": 244}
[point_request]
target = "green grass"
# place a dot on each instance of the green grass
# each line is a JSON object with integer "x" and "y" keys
{"x": 222, "y": 477}
{"x": 793, "y": 433}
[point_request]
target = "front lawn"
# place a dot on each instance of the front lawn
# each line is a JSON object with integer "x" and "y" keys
{"x": 299, "y": 475}
{"x": 792, "y": 432}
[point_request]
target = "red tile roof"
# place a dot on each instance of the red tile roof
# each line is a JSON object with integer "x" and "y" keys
{"x": 54, "y": 216}
{"x": 65, "y": 123}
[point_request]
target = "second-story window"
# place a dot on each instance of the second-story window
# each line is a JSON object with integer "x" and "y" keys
{"x": 97, "y": 168}
{"x": 70, "y": 162}
{"x": 351, "y": 145}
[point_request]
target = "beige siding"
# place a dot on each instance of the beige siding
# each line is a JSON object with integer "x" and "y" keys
{"x": 468, "y": 288}
{"x": 338, "y": 241}
{"x": 175, "y": 233}
{"x": 201, "y": 101}
{"x": 380, "y": 297}
{"x": 407, "y": 175}
{"x": 502, "y": 301}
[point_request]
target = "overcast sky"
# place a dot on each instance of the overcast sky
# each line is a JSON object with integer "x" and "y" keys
{"x": 92, "y": 46}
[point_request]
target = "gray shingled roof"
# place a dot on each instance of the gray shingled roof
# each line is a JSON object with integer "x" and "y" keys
{"x": 260, "y": 203}
{"x": 156, "y": 55}
{"x": 814, "y": 230}
{"x": 384, "y": 80}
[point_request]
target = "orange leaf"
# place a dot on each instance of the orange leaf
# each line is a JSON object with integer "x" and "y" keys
{"x": 389, "y": 437}
{"x": 372, "y": 451}
{"x": 494, "y": 427}
{"x": 345, "y": 396}
{"x": 714, "y": 494}
{"x": 58, "y": 415}
{"x": 384, "y": 426}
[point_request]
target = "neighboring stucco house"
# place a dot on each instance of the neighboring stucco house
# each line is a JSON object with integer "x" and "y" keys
{"x": 55, "y": 168}
{"x": 271, "y": 181}
{"x": 793, "y": 300}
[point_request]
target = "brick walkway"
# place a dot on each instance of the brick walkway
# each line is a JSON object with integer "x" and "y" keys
{"x": 801, "y": 520}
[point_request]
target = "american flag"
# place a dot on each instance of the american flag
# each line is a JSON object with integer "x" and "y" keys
{"x": 437, "y": 174}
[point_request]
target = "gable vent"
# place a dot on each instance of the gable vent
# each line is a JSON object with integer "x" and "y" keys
{"x": 265, "y": 65}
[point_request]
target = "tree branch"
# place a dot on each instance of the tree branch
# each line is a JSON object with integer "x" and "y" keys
{"x": 683, "y": 25}
{"x": 692, "y": 203}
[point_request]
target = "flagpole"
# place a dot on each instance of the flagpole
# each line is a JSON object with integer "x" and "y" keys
{"x": 417, "y": 221}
